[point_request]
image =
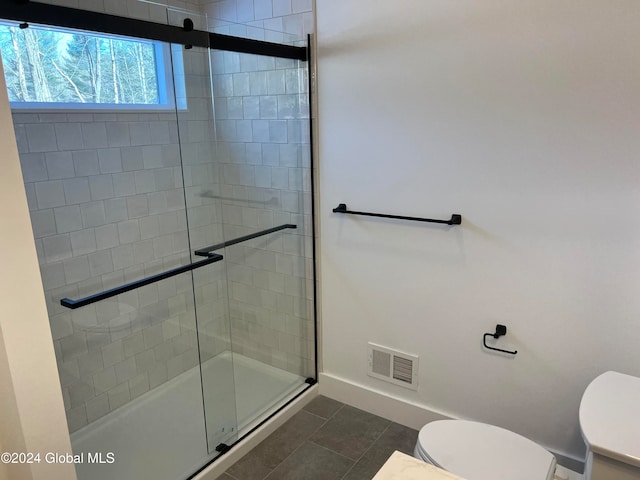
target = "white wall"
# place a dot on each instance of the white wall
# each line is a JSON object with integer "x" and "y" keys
{"x": 523, "y": 117}
{"x": 32, "y": 418}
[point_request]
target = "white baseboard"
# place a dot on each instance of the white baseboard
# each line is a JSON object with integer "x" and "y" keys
{"x": 240, "y": 449}
{"x": 382, "y": 404}
{"x": 401, "y": 411}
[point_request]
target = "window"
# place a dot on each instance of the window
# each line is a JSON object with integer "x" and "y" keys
{"x": 47, "y": 67}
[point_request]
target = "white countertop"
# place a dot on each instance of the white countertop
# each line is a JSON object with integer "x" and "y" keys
{"x": 403, "y": 467}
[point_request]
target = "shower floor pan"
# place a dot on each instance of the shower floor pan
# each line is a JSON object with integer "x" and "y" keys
{"x": 161, "y": 435}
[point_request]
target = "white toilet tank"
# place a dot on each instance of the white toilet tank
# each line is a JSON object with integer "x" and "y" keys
{"x": 610, "y": 425}
{"x": 478, "y": 451}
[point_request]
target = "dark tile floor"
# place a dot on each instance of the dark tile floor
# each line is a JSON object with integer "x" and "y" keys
{"x": 327, "y": 440}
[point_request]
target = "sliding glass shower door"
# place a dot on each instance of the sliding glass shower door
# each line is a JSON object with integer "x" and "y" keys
{"x": 262, "y": 194}
{"x": 196, "y": 135}
{"x": 105, "y": 175}
{"x": 174, "y": 236}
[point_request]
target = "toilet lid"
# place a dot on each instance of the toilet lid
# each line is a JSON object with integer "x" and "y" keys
{"x": 609, "y": 417}
{"x": 477, "y": 451}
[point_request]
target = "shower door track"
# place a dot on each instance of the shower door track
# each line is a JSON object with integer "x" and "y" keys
{"x": 55, "y": 15}
{"x": 226, "y": 448}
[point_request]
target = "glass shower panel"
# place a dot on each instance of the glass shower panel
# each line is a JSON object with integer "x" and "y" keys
{"x": 107, "y": 204}
{"x": 156, "y": 427}
{"x": 142, "y": 364}
{"x": 262, "y": 156}
{"x": 200, "y": 176}
{"x": 254, "y": 32}
{"x": 200, "y": 171}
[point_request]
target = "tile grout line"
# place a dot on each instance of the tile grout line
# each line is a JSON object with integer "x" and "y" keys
{"x": 307, "y": 439}
{"x": 326, "y": 419}
{"x": 294, "y": 451}
{"x": 333, "y": 451}
{"x": 365, "y": 452}
{"x": 334, "y": 413}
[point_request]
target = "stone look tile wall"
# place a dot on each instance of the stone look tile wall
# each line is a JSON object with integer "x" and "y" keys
{"x": 261, "y": 112}
{"x": 264, "y": 157}
{"x": 107, "y": 207}
{"x": 204, "y": 212}
{"x": 269, "y": 17}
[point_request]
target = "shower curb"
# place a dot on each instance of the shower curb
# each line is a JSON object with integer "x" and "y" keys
{"x": 222, "y": 463}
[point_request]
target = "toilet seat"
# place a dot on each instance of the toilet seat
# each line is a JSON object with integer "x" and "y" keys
{"x": 478, "y": 451}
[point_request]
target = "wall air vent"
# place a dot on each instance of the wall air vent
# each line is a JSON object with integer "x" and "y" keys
{"x": 392, "y": 366}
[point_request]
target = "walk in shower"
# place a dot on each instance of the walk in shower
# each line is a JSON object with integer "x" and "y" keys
{"x": 174, "y": 229}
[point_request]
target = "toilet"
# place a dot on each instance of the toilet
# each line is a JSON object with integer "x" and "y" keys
{"x": 610, "y": 427}
{"x": 478, "y": 451}
{"x": 609, "y": 423}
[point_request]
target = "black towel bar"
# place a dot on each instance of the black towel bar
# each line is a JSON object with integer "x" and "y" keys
{"x": 73, "y": 304}
{"x": 203, "y": 252}
{"x": 454, "y": 220}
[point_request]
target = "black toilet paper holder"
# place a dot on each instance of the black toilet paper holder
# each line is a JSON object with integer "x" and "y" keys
{"x": 500, "y": 331}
